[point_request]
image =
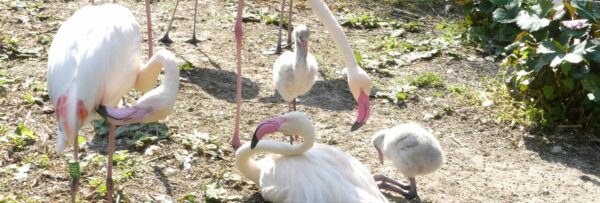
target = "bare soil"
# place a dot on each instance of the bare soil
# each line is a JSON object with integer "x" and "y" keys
{"x": 486, "y": 160}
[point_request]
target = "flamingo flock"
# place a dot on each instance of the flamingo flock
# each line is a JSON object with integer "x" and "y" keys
{"x": 95, "y": 59}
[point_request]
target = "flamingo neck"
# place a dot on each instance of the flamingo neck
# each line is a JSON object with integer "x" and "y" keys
{"x": 322, "y": 12}
{"x": 301, "y": 54}
{"x": 251, "y": 168}
{"x": 149, "y": 73}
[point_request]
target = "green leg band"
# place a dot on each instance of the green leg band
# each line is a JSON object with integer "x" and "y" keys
{"x": 74, "y": 170}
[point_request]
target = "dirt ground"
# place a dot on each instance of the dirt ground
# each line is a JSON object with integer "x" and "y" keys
{"x": 486, "y": 160}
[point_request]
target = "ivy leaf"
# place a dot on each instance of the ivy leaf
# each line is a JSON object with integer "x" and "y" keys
{"x": 548, "y": 91}
{"x": 576, "y": 54}
{"x": 583, "y": 11}
{"x": 568, "y": 83}
{"x": 507, "y": 14}
{"x": 543, "y": 8}
{"x": 531, "y": 22}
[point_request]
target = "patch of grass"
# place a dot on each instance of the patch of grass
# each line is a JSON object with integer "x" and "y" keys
{"x": 120, "y": 156}
{"x": 464, "y": 94}
{"x": 42, "y": 160}
{"x": 362, "y": 21}
{"x": 188, "y": 198}
{"x": 412, "y": 26}
{"x": 273, "y": 19}
{"x": 186, "y": 66}
{"x": 99, "y": 184}
{"x": 506, "y": 108}
{"x": 452, "y": 29}
{"x": 438, "y": 94}
{"x": 427, "y": 79}
{"x": 394, "y": 44}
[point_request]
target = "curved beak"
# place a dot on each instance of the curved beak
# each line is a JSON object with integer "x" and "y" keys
{"x": 364, "y": 111}
{"x": 265, "y": 127}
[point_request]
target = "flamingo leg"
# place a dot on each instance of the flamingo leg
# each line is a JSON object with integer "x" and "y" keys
{"x": 194, "y": 40}
{"x": 75, "y": 181}
{"x": 278, "y": 47}
{"x": 411, "y": 194}
{"x": 165, "y": 38}
{"x": 149, "y": 20}
{"x": 289, "y": 39}
{"x": 111, "y": 150}
{"x": 383, "y": 178}
{"x": 235, "y": 139}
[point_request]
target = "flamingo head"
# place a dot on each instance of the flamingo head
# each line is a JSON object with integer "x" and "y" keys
{"x": 300, "y": 35}
{"x": 360, "y": 87}
{"x": 378, "y": 143}
{"x": 290, "y": 123}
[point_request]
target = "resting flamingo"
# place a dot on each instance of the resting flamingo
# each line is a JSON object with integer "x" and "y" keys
{"x": 295, "y": 73}
{"x": 413, "y": 150}
{"x": 94, "y": 60}
{"x": 306, "y": 172}
{"x": 358, "y": 80}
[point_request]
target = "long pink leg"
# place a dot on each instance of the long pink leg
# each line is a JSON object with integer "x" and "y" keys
{"x": 235, "y": 139}
{"x": 149, "y": 20}
{"x": 289, "y": 39}
{"x": 111, "y": 150}
{"x": 278, "y": 48}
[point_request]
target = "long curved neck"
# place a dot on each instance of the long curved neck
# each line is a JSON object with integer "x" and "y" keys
{"x": 301, "y": 54}
{"x": 339, "y": 37}
{"x": 148, "y": 74}
{"x": 251, "y": 169}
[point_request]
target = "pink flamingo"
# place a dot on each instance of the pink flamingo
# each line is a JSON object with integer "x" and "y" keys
{"x": 358, "y": 80}
{"x": 94, "y": 60}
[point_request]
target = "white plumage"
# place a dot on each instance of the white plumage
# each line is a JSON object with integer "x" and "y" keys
{"x": 294, "y": 73}
{"x": 94, "y": 60}
{"x": 304, "y": 172}
{"x": 412, "y": 149}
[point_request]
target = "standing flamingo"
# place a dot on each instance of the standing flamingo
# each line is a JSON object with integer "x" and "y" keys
{"x": 294, "y": 74}
{"x": 306, "y": 172}
{"x": 94, "y": 60}
{"x": 413, "y": 150}
{"x": 277, "y": 49}
{"x": 358, "y": 80}
{"x": 149, "y": 24}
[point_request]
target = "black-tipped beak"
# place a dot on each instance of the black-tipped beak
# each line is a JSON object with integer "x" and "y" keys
{"x": 254, "y": 141}
{"x": 102, "y": 111}
{"x": 356, "y": 126}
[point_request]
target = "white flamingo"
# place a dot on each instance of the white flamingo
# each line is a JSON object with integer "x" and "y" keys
{"x": 413, "y": 151}
{"x": 306, "y": 172}
{"x": 149, "y": 26}
{"x": 294, "y": 73}
{"x": 94, "y": 60}
{"x": 358, "y": 80}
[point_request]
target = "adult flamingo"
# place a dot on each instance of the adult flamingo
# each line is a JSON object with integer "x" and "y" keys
{"x": 306, "y": 172}
{"x": 358, "y": 80}
{"x": 277, "y": 49}
{"x": 149, "y": 26}
{"x": 413, "y": 151}
{"x": 94, "y": 60}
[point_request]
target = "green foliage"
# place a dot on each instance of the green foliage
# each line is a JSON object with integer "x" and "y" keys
{"x": 554, "y": 59}
{"x": 394, "y": 44}
{"x": 19, "y": 138}
{"x": 427, "y": 79}
{"x": 186, "y": 66}
{"x": 99, "y": 184}
{"x": 362, "y": 21}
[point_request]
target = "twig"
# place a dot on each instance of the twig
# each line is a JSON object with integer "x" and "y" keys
{"x": 160, "y": 157}
{"x": 570, "y": 126}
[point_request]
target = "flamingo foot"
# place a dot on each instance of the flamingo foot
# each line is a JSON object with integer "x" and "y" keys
{"x": 165, "y": 39}
{"x": 193, "y": 41}
{"x": 235, "y": 142}
{"x": 407, "y": 195}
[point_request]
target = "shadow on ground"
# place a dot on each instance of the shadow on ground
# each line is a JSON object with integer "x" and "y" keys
{"x": 575, "y": 151}
{"x": 325, "y": 94}
{"x": 221, "y": 84}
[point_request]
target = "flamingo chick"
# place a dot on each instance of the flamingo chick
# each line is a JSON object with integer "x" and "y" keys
{"x": 413, "y": 150}
{"x": 295, "y": 73}
{"x": 307, "y": 172}
{"x": 94, "y": 60}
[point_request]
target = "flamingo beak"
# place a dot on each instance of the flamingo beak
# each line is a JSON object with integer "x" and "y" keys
{"x": 364, "y": 111}
{"x": 265, "y": 127}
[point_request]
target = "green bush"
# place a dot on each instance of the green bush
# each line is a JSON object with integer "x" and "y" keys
{"x": 553, "y": 59}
